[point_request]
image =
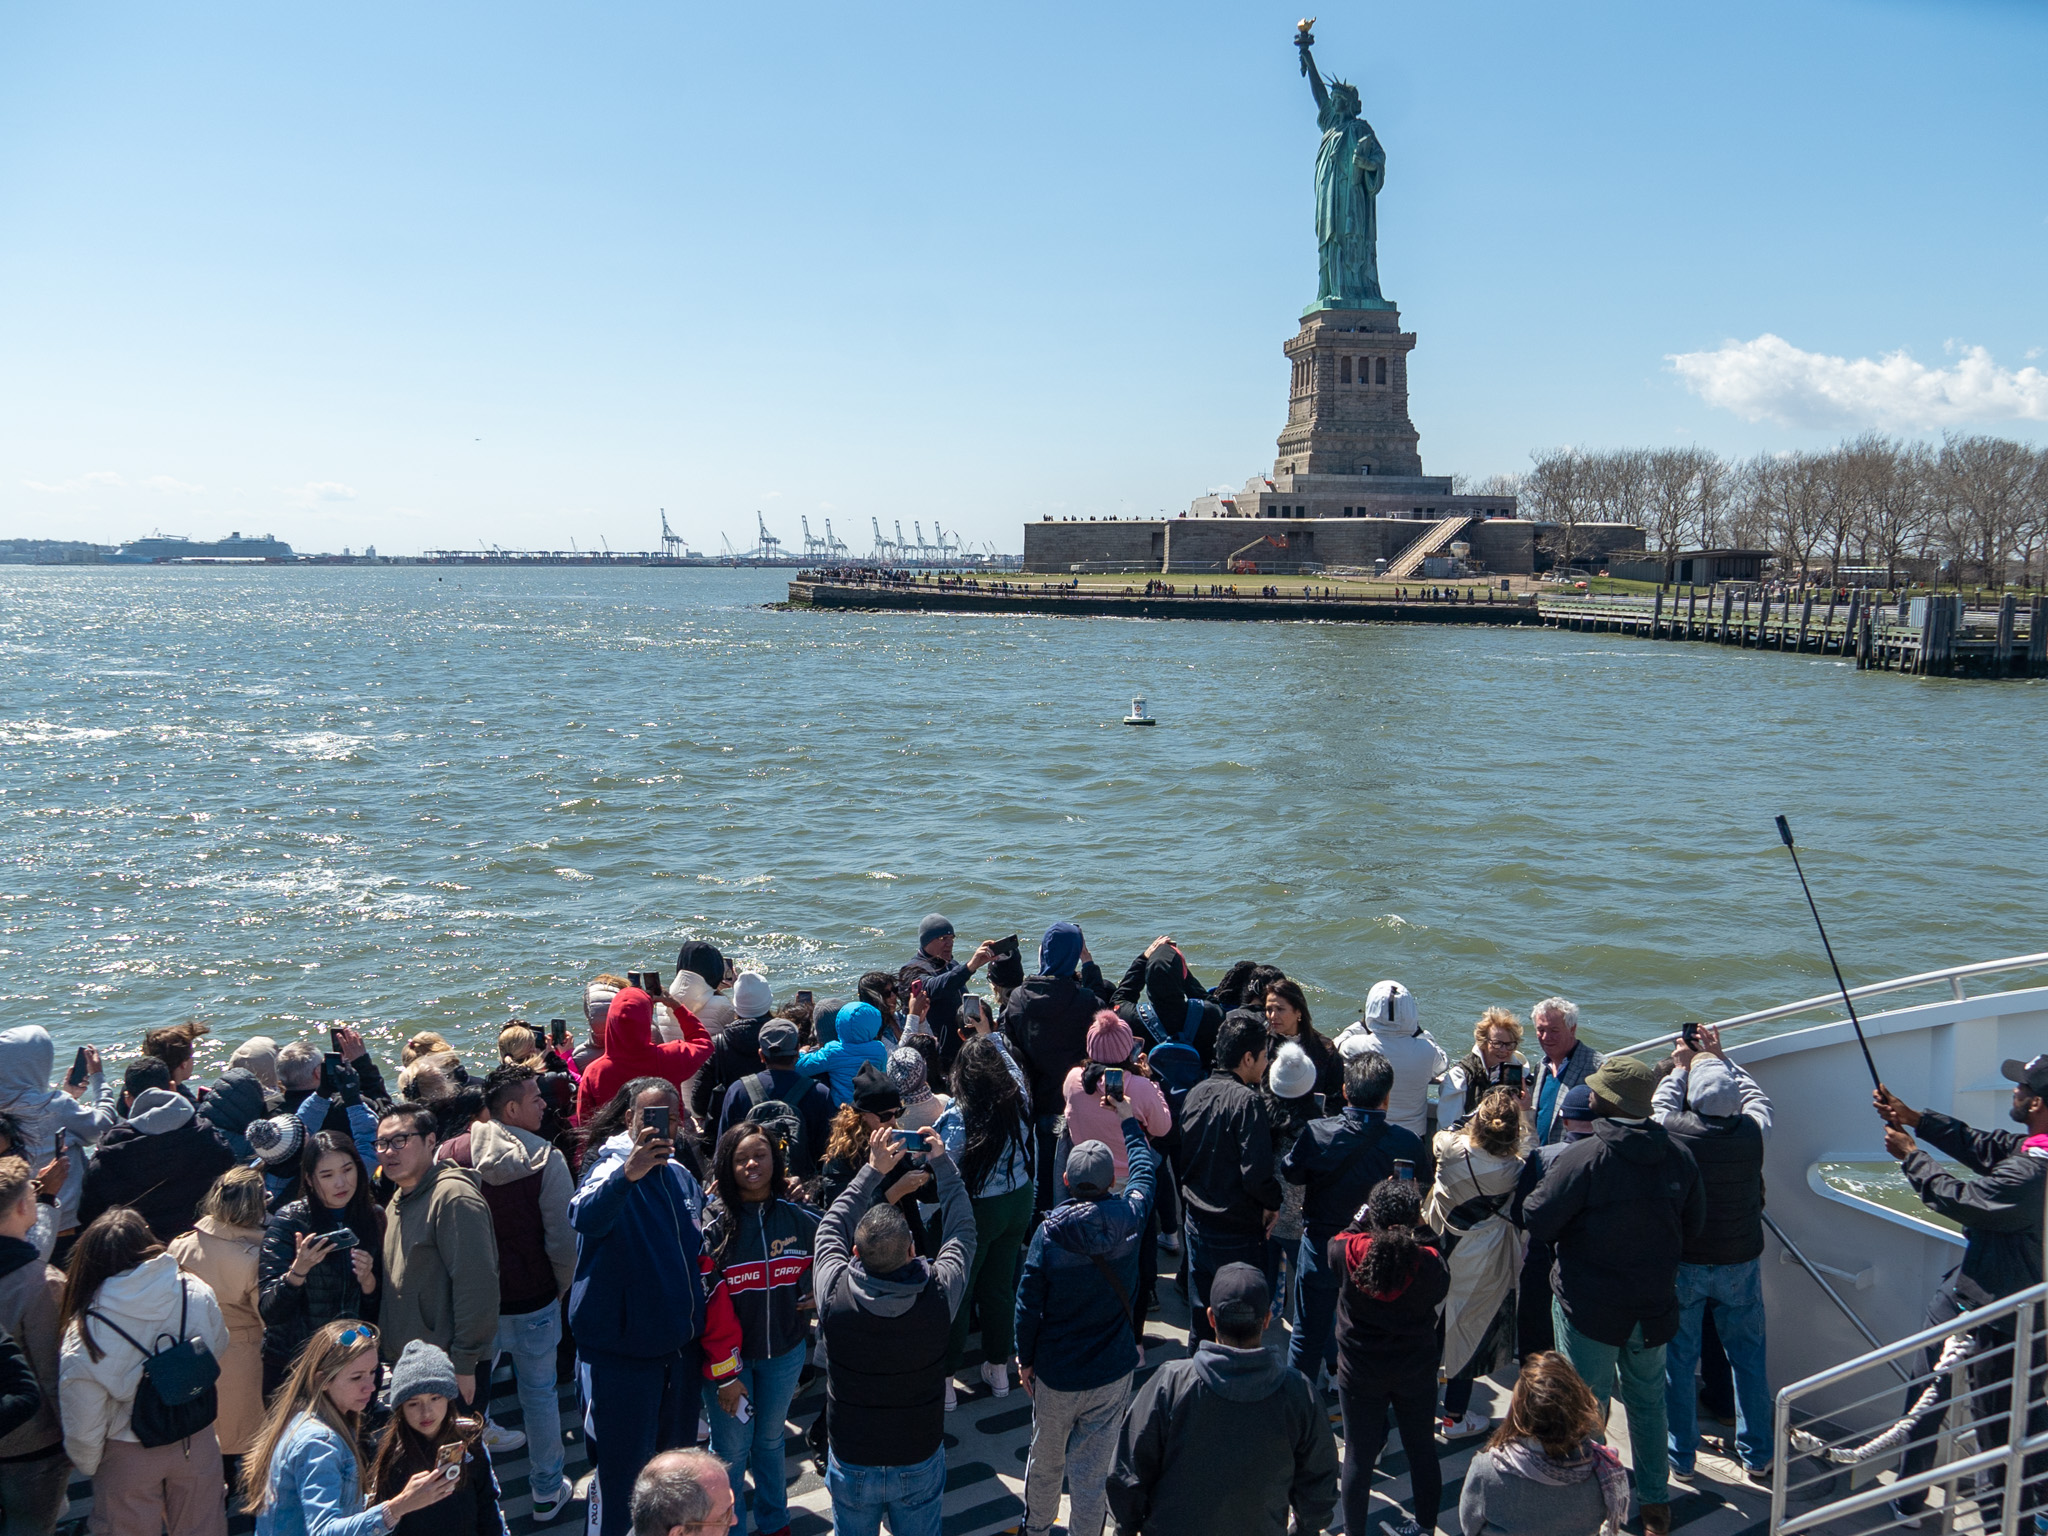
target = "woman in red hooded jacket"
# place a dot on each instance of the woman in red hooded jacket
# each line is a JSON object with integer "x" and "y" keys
{"x": 630, "y": 1050}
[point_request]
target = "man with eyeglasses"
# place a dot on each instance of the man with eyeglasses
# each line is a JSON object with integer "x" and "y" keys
{"x": 683, "y": 1493}
{"x": 440, "y": 1251}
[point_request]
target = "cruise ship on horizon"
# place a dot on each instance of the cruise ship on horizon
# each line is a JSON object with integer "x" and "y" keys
{"x": 170, "y": 548}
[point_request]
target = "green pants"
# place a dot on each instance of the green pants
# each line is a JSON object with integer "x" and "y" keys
{"x": 1640, "y": 1368}
{"x": 1002, "y": 1223}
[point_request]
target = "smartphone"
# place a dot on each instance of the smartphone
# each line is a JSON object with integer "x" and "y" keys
{"x": 558, "y": 1033}
{"x": 1113, "y": 1080}
{"x": 803, "y": 997}
{"x": 330, "y": 1073}
{"x": 334, "y": 1039}
{"x": 917, "y": 986}
{"x": 341, "y": 1237}
{"x": 449, "y": 1459}
{"x": 1007, "y": 948}
{"x": 1511, "y": 1075}
{"x": 907, "y": 1141}
{"x": 1690, "y": 1034}
{"x": 1404, "y": 1168}
{"x": 655, "y": 1118}
{"x": 79, "y": 1064}
{"x": 652, "y": 981}
{"x": 744, "y": 1414}
{"x": 636, "y": 979}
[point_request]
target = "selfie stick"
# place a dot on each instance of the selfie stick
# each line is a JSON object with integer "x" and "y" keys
{"x": 1785, "y": 832}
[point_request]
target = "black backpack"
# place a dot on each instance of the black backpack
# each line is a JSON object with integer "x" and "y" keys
{"x": 782, "y": 1122}
{"x": 176, "y": 1397}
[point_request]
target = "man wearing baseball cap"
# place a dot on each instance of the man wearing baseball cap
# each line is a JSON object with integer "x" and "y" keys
{"x": 1229, "y": 1439}
{"x": 2000, "y": 1213}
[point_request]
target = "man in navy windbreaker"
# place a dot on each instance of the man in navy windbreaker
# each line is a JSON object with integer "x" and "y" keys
{"x": 645, "y": 1333}
{"x": 1076, "y": 1349}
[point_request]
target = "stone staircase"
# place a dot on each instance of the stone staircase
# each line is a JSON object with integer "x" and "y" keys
{"x": 1404, "y": 565}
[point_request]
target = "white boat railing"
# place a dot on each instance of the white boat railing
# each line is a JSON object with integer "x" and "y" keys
{"x": 1954, "y": 975}
{"x": 1989, "y": 1359}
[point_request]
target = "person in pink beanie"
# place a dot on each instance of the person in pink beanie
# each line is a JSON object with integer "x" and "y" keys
{"x": 1111, "y": 1044}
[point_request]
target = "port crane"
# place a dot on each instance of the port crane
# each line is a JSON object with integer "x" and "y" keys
{"x": 672, "y": 548}
{"x": 834, "y": 545}
{"x": 813, "y": 547}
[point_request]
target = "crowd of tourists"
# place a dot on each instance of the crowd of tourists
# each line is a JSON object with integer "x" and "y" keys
{"x": 288, "y": 1290}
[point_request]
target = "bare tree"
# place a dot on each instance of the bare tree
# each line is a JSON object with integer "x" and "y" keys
{"x": 1558, "y": 491}
{"x": 1984, "y": 485}
{"x": 1683, "y": 489}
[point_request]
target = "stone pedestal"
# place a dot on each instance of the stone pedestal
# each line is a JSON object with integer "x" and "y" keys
{"x": 1347, "y": 409}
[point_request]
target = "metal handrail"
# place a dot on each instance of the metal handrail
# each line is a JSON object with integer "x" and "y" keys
{"x": 2022, "y": 1308}
{"x": 1953, "y": 975}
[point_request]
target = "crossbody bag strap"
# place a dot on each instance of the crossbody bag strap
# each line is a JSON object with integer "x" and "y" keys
{"x": 1123, "y": 1297}
{"x": 102, "y": 1317}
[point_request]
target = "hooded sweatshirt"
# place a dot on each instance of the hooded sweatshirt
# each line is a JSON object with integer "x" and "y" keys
{"x": 1392, "y": 1028}
{"x": 641, "y": 1286}
{"x": 95, "y": 1396}
{"x": 1073, "y": 1329}
{"x": 29, "y": 1292}
{"x": 1227, "y": 1440}
{"x": 1387, "y": 1338}
{"x": 526, "y": 1184}
{"x": 631, "y": 1051}
{"x": 42, "y": 1111}
{"x": 162, "y": 1160}
{"x": 1047, "y": 1017}
{"x": 859, "y": 1044}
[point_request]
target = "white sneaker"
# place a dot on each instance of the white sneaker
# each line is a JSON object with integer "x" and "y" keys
{"x": 1464, "y": 1428}
{"x": 500, "y": 1441}
{"x": 545, "y": 1510}
{"x": 997, "y": 1376}
{"x": 952, "y": 1396}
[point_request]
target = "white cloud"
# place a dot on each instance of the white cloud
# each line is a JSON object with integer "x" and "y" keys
{"x": 1770, "y": 379}
{"x": 172, "y": 486}
{"x": 321, "y": 490}
{"x": 77, "y": 483}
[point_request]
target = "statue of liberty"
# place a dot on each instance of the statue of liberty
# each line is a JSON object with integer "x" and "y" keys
{"x": 1351, "y": 167}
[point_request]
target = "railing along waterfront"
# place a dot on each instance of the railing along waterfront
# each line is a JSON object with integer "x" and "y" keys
{"x": 1946, "y": 637}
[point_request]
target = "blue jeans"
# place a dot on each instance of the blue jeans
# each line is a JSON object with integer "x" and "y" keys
{"x": 770, "y": 1384}
{"x": 908, "y": 1495}
{"x": 1317, "y": 1287}
{"x": 531, "y": 1338}
{"x": 1640, "y": 1369}
{"x": 1737, "y": 1292}
{"x": 1208, "y": 1250}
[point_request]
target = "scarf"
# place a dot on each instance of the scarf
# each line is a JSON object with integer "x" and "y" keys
{"x": 1524, "y": 1458}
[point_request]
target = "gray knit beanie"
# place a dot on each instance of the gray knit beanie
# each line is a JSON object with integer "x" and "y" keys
{"x": 422, "y": 1367}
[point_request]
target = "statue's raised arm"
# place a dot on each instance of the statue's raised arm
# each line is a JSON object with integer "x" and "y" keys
{"x": 1304, "y": 39}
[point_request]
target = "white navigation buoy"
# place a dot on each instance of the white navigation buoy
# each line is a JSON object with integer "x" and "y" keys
{"x": 1137, "y": 716}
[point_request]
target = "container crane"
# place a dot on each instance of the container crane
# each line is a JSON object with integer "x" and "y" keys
{"x": 813, "y": 547}
{"x": 834, "y": 545}
{"x": 770, "y": 547}
{"x": 672, "y": 548}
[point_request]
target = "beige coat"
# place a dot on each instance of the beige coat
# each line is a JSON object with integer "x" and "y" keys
{"x": 225, "y": 1258}
{"x": 1488, "y": 1256}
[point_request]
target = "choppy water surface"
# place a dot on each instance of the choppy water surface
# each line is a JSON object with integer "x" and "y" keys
{"x": 414, "y": 798}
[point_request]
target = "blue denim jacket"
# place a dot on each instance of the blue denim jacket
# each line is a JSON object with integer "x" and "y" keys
{"x": 315, "y": 1488}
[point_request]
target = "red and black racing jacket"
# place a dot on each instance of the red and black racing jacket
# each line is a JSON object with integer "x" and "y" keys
{"x": 765, "y": 1273}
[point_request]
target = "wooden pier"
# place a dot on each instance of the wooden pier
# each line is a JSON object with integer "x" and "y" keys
{"x": 1936, "y": 636}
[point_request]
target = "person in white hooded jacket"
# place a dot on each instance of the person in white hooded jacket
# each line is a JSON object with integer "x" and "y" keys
{"x": 1392, "y": 1027}
{"x": 122, "y": 1282}
{"x": 83, "y": 1115}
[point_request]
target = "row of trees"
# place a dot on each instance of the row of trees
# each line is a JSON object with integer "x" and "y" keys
{"x": 1967, "y": 509}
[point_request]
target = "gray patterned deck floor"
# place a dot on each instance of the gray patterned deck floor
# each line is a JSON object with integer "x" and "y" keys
{"x": 986, "y": 1440}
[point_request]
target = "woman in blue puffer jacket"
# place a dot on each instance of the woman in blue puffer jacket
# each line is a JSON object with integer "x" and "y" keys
{"x": 304, "y": 1474}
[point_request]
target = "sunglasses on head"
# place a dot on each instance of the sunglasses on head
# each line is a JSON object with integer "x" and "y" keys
{"x": 349, "y": 1338}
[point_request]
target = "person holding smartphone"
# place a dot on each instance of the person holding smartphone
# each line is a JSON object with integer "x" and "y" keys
{"x": 1496, "y": 1047}
{"x": 648, "y": 1325}
{"x": 945, "y": 979}
{"x": 80, "y": 1111}
{"x": 427, "y": 1435}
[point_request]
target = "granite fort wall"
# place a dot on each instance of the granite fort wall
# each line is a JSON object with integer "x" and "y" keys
{"x": 1194, "y": 544}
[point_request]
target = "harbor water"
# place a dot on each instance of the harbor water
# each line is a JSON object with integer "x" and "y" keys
{"x": 412, "y": 797}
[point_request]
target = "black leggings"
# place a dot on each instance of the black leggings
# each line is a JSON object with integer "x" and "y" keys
{"x": 1364, "y": 1406}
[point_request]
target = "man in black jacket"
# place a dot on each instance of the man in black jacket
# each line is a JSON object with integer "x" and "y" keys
{"x": 1718, "y": 1113}
{"x": 1228, "y": 1179}
{"x": 1339, "y": 1158}
{"x": 1046, "y": 1020}
{"x": 945, "y": 979}
{"x": 1619, "y": 1208}
{"x": 2000, "y": 1213}
{"x": 1226, "y": 1442}
{"x": 162, "y": 1160}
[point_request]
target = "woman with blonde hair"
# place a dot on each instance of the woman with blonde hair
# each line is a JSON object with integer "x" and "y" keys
{"x": 1496, "y": 1046}
{"x": 1544, "y": 1472}
{"x": 222, "y": 1250}
{"x": 305, "y": 1474}
{"x": 1477, "y": 1168}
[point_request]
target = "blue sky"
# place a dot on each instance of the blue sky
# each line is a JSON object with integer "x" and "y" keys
{"x": 425, "y": 276}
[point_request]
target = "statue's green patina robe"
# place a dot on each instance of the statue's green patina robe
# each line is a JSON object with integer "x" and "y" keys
{"x": 1351, "y": 167}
